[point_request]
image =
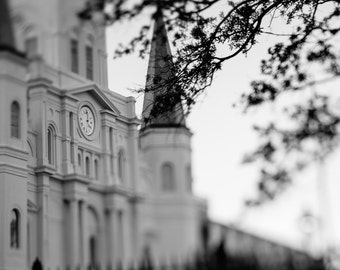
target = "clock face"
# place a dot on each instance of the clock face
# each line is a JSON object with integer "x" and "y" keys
{"x": 86, "y": 120}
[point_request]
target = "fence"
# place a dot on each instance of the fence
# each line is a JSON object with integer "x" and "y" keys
{"x": 215, "y": 261}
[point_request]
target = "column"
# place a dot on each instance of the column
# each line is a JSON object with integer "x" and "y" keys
{"x": 84, "y": 235}
{"x": 120, "y": 236}
{"x": 111, "y": 238}
{"x": 43, "y": 219}
{"x": 74, "y": 234}
{"x": 127, "y": 237}
{"x": 135, "y": 241}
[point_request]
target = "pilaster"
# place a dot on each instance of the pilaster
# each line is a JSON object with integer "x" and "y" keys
{"x": 133, "y": 153}
{"x": 73, "y": 143}
{"x": 66, "y": 143}
{"x": 106, "y": 154}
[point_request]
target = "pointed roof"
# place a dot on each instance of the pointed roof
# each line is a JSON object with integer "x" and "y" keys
{"x": 6, "y": 31}
{"x": 159, "y": 74}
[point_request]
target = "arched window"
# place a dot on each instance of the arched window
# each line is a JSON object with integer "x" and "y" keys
{"x": 15, "y": 229}
{"x": 87, "y": 166}
{"x": 96, "y": 169}
{"x": 121, "y": 165}
{"x": 15, "y": 119}
{"x": 168, "y": 180}
{"x": 51, "y": 145}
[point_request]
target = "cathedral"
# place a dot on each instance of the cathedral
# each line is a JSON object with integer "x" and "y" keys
{"x": 83, "y": 182}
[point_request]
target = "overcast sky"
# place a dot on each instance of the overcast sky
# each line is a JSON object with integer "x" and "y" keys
{"x": 222, "y": 135}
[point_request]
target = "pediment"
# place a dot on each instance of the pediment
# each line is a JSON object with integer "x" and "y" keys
{"x": 98, "y": 95}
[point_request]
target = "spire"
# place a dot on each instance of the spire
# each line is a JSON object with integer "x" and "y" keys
{"x": 6, "y": 31}
{"x": 159, "y": 75}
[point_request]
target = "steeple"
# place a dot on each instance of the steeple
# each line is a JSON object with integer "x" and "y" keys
{"x": 6, "y": 31}
{"x": 159, "y": 80}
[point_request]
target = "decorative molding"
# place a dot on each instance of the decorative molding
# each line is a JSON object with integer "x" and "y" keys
{"x": 31, "y": 207}
{"x": 99, "y": 95}
{"x": 14, "y": 170}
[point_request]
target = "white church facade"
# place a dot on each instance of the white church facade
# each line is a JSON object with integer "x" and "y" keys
{"x": 80, "y": 183}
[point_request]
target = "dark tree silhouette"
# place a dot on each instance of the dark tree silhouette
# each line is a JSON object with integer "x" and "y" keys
{"x": 207, "y": 33}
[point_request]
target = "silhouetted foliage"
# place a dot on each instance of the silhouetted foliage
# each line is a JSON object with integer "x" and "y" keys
{"x": 220, "y": 258}
{"x": 206, "y": 33}
{"x": 37, "y": 265}
{"x": 146, "y": 263}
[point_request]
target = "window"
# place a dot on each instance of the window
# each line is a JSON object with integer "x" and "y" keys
{"x": 31, "y": 47}
{"x": 15, "y": 120}
{"x": 111, "y": 138}
{"x": 87, "y": 166}
{"x": 51, "y": 145}
{"x": 79, "y": 160}
{"x": 15, "y": 228}
{"x": 111, "y": 149}
{"x": 71, "y": 124}
{"x": 74, "y": 56}
{"x": 89, "y": 62}
{"x": 121, "y": 165}
{"x": 168, "y": 181}
{"x": 96, "y": 171}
